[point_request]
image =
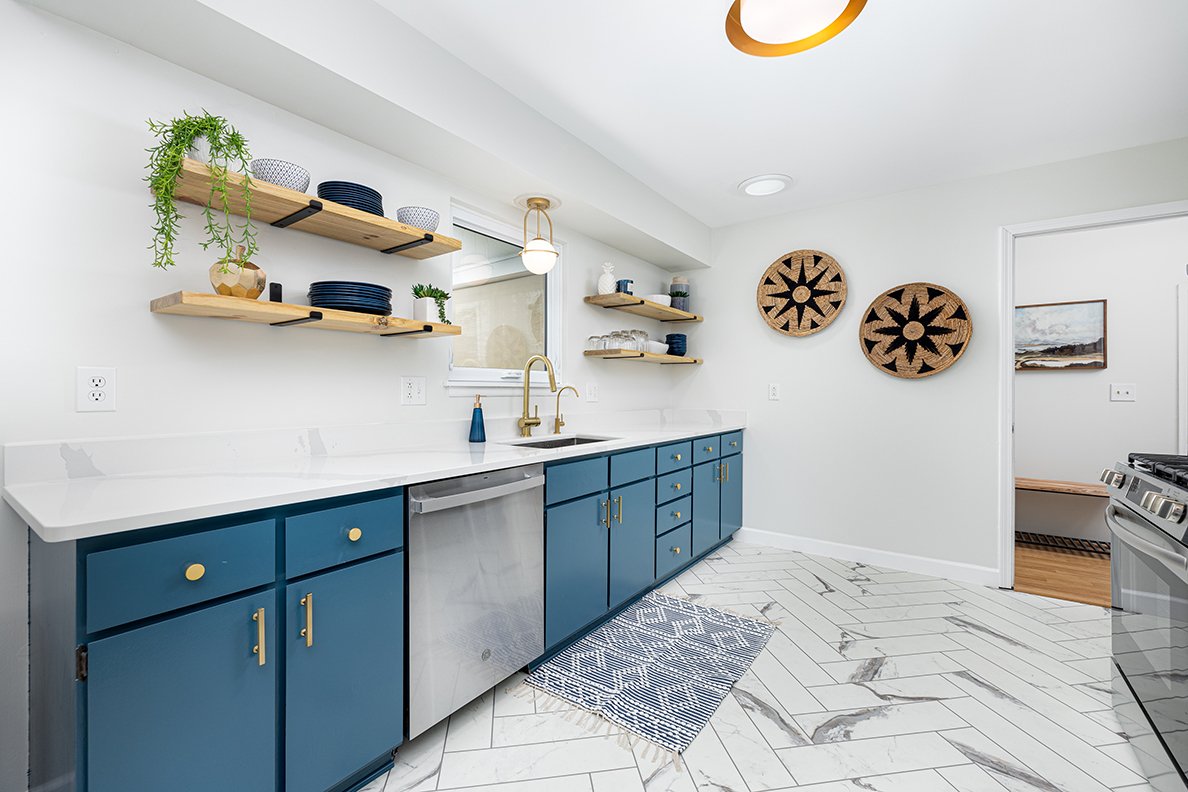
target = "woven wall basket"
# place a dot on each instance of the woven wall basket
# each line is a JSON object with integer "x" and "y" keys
{"x": 801, "y": 292}
{"x": 915, "y": 330}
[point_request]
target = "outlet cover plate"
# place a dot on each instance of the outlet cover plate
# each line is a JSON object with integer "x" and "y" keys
{"x": 1123, "y": 392}
{"x": 95, "y": 389}
{"x": 591, "y": 391}
{"x": 412, "y": 391}
{"x": 773, "y": 391}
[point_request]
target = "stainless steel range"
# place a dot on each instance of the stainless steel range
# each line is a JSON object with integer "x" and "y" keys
{"x": 1149, "y": 576}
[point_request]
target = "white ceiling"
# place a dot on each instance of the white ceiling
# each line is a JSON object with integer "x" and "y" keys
{"x": 915, "y": 92}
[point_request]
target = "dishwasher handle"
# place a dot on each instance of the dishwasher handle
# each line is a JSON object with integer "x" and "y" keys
{"x": 429, "y": 505}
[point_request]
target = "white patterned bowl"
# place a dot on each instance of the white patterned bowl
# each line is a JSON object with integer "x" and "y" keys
{"x": 660, "y": 299}
{"x": 281, "y": 173}
{"x": 418, "y": 217}
{"x": 657, "y": 347}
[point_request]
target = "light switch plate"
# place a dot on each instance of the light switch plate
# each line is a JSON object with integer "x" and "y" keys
{"x": 1123, "y": 392}
{"x": 95, "y": 389}
{"x": 412, "y": 391}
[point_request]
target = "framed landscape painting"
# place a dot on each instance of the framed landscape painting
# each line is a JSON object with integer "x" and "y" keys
{"x": 1060, "y": 336}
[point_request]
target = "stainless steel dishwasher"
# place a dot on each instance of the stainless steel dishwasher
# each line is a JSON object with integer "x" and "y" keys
{"x": 475, "y": 587}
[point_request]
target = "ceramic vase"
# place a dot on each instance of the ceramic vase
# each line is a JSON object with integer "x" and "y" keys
{"x": 606, "y": 281}
{"x": 425, "y": 309}
{"x": 240, "y": 280}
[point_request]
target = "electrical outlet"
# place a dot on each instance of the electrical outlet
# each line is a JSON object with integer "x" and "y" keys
{"x": 95, "y": 389}
{"x": 1123, "y": 392}
{"x": 773, "y": 391}
{"x": 591, "y": 391}
{"x": 412, "y": 390}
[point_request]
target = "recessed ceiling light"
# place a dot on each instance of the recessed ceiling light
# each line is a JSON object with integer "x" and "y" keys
{"x": 771, "y": 28}
{"x": 767, "y": 184}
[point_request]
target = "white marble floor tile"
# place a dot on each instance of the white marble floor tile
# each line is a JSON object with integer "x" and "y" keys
{"x": 418, "y": 762}
{"x": 883, "y": 721}
{"x": 538, "y": 760}
{"x": 792, "y": 657}
{"x": 814, "y": 764}
{"x": 617, "y": 781}
{"x": 950, "y": 597}
{"x": 754, "y": 759}
{"x": 773, "y": 721}
{"x": 1075, "y": 697}
{"x": 899, "y": 613}
{"x": 879, "y": 692}
{"x": 881, "y": 647}
{"x": 470, "y": 727}
{"x": 1020, "y": 659}
{"x": 709, "y": 765}
{"x": 912, "y": 781}
{"x": 893, "y": 667}
{"x": 969, "y": 778}
{"x": 548, "y": 727}
{"x": 784, "y": 685}
{"x": 571, "y": 783}
{"x": 514, "y": 697}
{"x": 658, "y": 771}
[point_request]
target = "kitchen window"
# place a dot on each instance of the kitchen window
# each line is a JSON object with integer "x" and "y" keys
{"x": 507, "y": 313}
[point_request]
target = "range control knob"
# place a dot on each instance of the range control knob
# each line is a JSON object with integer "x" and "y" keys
{"x": 1166, "y": 508}
{"x": 1112, "y": 478}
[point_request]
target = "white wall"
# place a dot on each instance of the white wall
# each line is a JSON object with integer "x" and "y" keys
{"x": 1066, "y": 427}
{"x": 851, "y": 455}
{"x": 77, "y": 283}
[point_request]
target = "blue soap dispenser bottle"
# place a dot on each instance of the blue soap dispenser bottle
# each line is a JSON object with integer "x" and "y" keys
{"x": 478, "y": 432}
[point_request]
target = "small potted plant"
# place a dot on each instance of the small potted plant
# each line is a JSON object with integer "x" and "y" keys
{"x": 680, "y": 300}
{"x": 212, "y": 138}
{"x": 427, "y": 300}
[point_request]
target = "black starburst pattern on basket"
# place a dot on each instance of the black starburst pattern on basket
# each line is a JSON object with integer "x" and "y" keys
{"x": 796, "y": 302}
{"x": 916, "y": 330}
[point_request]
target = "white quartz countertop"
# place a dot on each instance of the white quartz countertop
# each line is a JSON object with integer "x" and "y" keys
{"x": 73, "y": 490}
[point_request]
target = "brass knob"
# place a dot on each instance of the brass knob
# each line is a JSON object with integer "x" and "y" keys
{"x": 734, "y": 444}
{"x": 195, "y": 572}
{"x": 355, "y": 534}
{"x": 677, "y": 486}
{"x": 676, "y": 515}
{"x": 709, "y": 449}
{"x": 676, "y": 551}
{"x": 677, "y": 457}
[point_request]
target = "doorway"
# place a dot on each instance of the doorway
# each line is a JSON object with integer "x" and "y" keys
{"x": 1062, "y": 418}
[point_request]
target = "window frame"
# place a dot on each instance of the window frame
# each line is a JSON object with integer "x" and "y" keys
{"x": 465, "y": 381}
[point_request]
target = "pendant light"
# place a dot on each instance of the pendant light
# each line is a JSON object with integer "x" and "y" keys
{"x": 771, "y": 28}
{"x": 539, "y": 255}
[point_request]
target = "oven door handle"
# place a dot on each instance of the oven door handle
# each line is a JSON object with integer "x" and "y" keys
{"x": 1169, "y": 558}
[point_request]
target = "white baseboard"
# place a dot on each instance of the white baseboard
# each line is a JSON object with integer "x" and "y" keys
{"x": 953, "y": 570}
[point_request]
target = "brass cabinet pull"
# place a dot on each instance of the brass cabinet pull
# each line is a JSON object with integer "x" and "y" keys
{"x": 676, "y": 551}
{"x": 677, "y": 457}
{"x": 619, "y": 503}
{"x": 725, "y": 472}
{"x": 677, "y": 486}
{"x": 676, "y": 515}
{"x": 355, "y": 534}
{"x": 734, "y": 444}
{"x": 194, "y": 572}
{"x": 307, "y": 633}
{"x": 260, "y": 650}
{"x": 709, "y": 449}
{"x": 607, "y": 505}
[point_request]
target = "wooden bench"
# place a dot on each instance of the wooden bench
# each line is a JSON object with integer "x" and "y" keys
{"x": 1061, "y": 487}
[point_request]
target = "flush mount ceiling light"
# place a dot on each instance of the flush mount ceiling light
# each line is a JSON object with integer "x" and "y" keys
{"x": 771, "y": 28}
{"x": 767, "y": 184}
{"x": 539, "y": 254}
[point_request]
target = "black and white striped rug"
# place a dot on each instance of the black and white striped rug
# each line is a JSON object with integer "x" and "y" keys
{"x": 659, "y": 669}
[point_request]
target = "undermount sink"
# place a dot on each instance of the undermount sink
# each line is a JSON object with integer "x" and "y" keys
{"x": 561, "y": 442}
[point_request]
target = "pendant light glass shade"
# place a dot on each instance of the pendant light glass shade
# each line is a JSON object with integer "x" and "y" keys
{"x": 773, "y": 28}
{"x": 539, "y": 254}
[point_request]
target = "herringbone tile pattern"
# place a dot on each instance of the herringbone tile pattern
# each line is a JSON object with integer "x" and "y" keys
{"x": 874, "y": 680}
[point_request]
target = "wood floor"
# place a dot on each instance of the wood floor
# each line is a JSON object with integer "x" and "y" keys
{"x": 1064, "y": 574}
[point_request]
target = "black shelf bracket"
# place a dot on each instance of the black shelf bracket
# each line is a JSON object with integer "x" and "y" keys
{"x": 314, "y": 316}
{"x": 425, "y": 329}
{"x": 314, "y": 207}
{"x": 425, "y": 240}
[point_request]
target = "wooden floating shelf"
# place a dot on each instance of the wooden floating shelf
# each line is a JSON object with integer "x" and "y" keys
{"x": 641, "y": 307}
{"x": 285, "y": 208}
{"x": 1061, "y": 487}
{"x": 642, "y": 357}
{"x": 240, "y": 309}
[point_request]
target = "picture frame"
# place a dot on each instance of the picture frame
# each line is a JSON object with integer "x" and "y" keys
{"x": 1062, "y": 336}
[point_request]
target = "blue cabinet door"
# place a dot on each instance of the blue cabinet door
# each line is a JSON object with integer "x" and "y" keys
{"x": 344, "y": 680}
{"x": 632, "y": 541}
{"x": 184, "y": 704}
{"x": 732, "y": 494}
{"x": 707, "y": 498}
{"x": 576, "y": 565}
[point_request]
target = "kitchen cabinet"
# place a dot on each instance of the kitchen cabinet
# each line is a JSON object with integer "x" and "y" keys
{"x": 632, "y": 537}
{"x": 707, "y": 500}
{"x": 344, "y": 671}
{"x": 732, "y": 494}
{"x": 577, "y": 565}
{"x": 188, "y": 703}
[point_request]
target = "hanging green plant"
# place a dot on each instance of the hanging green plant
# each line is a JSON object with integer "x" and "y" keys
{"x": 227, "y": 148}
{"x": 439, "y": 296}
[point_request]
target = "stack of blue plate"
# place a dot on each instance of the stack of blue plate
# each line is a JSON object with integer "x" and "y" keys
{"x": 354, "y": 195}
{"x": 676, "y": 343}
{"x": 368, "y": 298}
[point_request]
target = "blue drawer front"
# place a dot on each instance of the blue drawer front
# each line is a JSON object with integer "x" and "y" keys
{"x": 673, "y": 514}
{"x": 130, "y": 583}
{"x": 673, "y": 486}
{"x": 672, "y": 550}
{"x": 673, "y": 457}
{"x": 706, "y": 449}
{"x": 632, "y": 466}
{"x": 732, "y": 443}
{"x": 575, "y": 479}
{"x": 326, "y": 538}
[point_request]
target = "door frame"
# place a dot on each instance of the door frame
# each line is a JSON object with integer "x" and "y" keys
{"x": 1006, "y": 353}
